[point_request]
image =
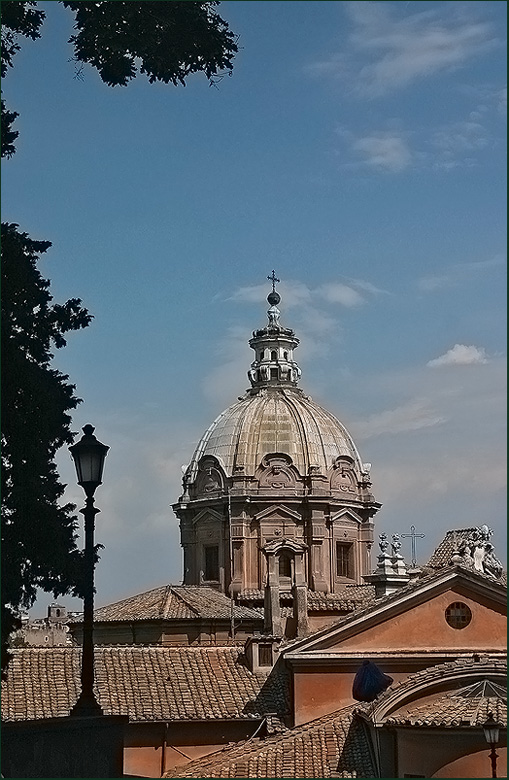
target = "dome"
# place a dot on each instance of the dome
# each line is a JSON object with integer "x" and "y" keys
{"x": 276, "y": 498}
{"x": 275, "y": 419}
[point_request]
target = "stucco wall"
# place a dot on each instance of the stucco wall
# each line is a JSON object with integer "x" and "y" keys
{"x": 438, "y": 753}
{"x": 321, "y": 690}
{"x": 151, "y": 748}
{"x": 424, "y": 626}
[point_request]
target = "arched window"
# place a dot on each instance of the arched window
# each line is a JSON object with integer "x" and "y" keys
{"x": 285, "y": 355}
{"x": 273, "y": 355}
{"x": 285, "y": 564}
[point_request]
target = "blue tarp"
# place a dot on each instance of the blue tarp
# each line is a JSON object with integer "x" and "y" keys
{"x": 369, "y": 682}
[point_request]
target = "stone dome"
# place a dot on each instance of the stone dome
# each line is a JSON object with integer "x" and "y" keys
{"x": 275, "y": 420}
{"x": 275, "y": 416}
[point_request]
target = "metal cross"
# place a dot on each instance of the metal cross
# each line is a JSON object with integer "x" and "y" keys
{"x": 413, "y": 536}
{"x": 273, "y": 279}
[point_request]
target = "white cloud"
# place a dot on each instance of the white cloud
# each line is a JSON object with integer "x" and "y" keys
{"x": 294, "y": 293}
{"x": 254, "y": 294}
{"x": 368, "y": 287}
{"x": 303, "y": 297}
{"x": 451, "y": 472}
{"x": 227, "y": 379}
{"x": 384, "y": 152}
{"x": 448, "y": 474}
{"x": 340, "y": 293}
{"x": 461, "y": 137}
{"x": 390, "y": 48}
{"x": 458, "y": 272}
{"x": 432, "y": 283}
{"x": 411, "y": 416}
{"x": 460, "y": 355}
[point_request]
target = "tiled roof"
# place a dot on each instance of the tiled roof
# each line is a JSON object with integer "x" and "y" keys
{"x": 352, "y": 597}
{"x": 441, "y": 556}
{"x": 481, "y": 694}
{"x": 333, "y": 746}
{"x": 173, "y": 602}
{"x": 453, "y": 711}
{"x": 345, "y": 600}
{"x": 146, "y": 683}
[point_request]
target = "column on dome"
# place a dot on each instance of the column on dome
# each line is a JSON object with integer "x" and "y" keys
{"x": 272, "y": 608}
{"x": 300, "y": 595}
{"x": 319, "y": 552}
{"x": 236, "y": 579}
{"x": 188, "y": 542}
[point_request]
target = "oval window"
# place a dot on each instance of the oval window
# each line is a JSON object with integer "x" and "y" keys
{"x": 458, "y": 615}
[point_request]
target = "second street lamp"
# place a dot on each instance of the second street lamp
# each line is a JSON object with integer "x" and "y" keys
{"x": 491, "y": 733}
{"x": 88, "y": 455}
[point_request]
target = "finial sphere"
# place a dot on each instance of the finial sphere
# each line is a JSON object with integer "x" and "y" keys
{"x": 273, "y": 298}
{"x": 88, "y": 430}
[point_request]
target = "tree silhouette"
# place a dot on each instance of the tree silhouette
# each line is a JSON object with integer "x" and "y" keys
{"x": 167, "y": 41}
{"x": 38, "y": 535}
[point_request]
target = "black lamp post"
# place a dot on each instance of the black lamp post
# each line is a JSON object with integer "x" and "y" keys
{"x": 491, "y": 732}
{"x": 88, "y": 455}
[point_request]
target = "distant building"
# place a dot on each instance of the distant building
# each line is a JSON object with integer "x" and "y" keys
{"x": 51, "y": 631}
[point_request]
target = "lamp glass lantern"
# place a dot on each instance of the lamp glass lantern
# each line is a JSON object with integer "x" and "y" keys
{"x": 88, "y": 455}
{"x": 491, "y": 730}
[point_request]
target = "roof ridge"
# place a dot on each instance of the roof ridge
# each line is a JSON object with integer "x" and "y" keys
{"x": 128, "y": 598}
{"x": 163, "y": 611}
{"x": 183, "y": 600}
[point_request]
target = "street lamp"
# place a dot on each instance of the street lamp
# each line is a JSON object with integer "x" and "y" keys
{"x": 88, "y": 455}
{"x": 491, "y": 731}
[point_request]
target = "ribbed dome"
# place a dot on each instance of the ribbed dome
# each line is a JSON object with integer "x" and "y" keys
{"x": 275, "y": 419}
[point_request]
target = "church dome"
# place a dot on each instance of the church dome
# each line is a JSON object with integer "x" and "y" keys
{"x": 275, "y": 420}
{"x": 276, "y": 499}
{"x": 275, "y": 416}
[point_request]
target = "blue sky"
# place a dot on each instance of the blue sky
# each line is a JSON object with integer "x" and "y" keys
{"x": 359, "y": 149}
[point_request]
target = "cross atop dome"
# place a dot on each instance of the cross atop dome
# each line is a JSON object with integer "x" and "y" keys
{"x": 273, "y": 297}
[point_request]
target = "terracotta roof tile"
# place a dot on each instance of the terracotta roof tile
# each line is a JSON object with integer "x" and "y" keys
{"x": 345, "y": 600}
{"x": 441, "y": 556}
{"x": 352, "y": 597}
{"x": 453, "y": 710}
{"x": 475, "y": 697}
{"x": 173, "y": 602}
{"x": 146, "y": 683}
{"x": 335, "y": 745}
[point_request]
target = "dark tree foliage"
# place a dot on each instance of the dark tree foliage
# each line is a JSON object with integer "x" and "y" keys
{"x": 8, "y": 134}
{"x": 168, "y": 41}
{"x": 172, "y": 39}
{"x": 17, "y": 19}
{"x": 38, "y": 535}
